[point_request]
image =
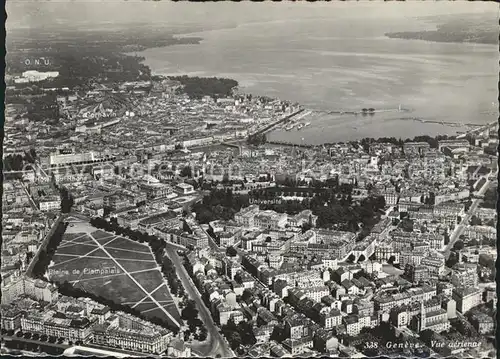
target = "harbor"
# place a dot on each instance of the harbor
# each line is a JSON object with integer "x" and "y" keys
{"x": 295, "y": 124}
{"x": 331, "y": 126}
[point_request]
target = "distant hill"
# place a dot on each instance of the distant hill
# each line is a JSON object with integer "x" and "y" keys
{"x": 467, "y": 29}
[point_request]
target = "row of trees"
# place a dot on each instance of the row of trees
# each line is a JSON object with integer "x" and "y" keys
{"x": 287, "y": 184}
{"x": 17, "y": 161}
{"x": 67, "y": 200}
{"x": 169, "y": 271}
{"x": 33, "y": 347}
{"x": 263, "y": 194}
{"x": 331, "y": 184}
{"x": 45, "y": 255}
{"x": 196, "y": 327}
{"x": 36, "y": 336}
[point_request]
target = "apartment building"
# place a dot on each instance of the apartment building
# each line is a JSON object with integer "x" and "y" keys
{"x": 34, "y": 288}
{"x": 147, "y": 339}
{"x": 464, "y": 275}
{"x": 467, "y": 298}
{"x": 46, "y": 323}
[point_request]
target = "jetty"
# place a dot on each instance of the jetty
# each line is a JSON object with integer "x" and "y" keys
{"x": 365, "y": 111}
{"x": 452, "y": 124}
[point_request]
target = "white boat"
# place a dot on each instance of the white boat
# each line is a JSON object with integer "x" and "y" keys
{"x": 307, "y": 124}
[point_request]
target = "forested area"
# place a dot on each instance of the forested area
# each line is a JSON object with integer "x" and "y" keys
{"x": 198, "y": 87}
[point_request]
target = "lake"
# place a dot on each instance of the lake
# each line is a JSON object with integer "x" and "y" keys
{"x": 329, "y": 61}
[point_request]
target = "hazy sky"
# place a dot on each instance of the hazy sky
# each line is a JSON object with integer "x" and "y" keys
{"x": 78, "y": 13}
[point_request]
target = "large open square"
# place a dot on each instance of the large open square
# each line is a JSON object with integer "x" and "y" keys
{"x": 113, "y": 267}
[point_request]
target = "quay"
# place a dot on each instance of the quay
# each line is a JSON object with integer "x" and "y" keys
{"x": 489, "y": 126}
{"x": 277, "y": 122}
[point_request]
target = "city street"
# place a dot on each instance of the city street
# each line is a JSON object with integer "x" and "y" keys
{"x": 216, "y": 344}
{"x": 211, "y": 242}
{"x": 459, "y": 229}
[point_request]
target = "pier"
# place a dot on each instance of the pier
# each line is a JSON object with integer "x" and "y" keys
{"x": 453, "y": 124}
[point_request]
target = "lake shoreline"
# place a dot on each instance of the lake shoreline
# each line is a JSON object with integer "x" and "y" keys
{"x": 366, "y": 72}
